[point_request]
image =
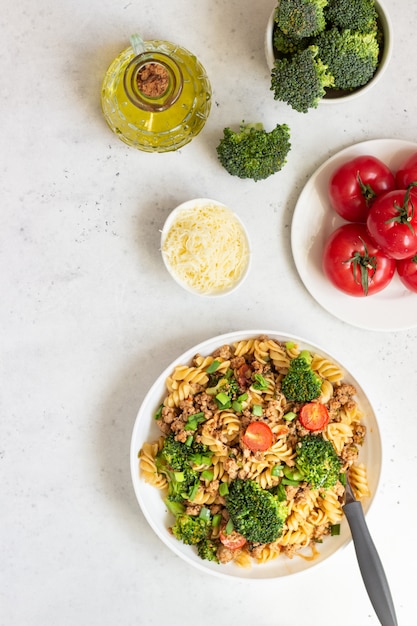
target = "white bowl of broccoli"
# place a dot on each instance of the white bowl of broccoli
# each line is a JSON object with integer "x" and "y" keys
{"x": 343, "y": 49}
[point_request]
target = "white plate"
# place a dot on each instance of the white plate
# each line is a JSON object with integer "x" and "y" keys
{"x": 150, "y": 499}
{"x": 395, "y": 307}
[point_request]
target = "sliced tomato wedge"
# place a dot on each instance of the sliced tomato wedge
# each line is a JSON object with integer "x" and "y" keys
{"x": 233, "y": 540}
{"x": 258, "y": 437}
{"x": 314, "y": 416}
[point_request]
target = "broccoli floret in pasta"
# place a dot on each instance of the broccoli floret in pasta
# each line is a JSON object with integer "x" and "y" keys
{"x": 301, "y": 383}
{"x": 191, "y": 529}
{"x": 256, "y": 513}
{"x": 318, "y": 462}
{"x": 175, "y": 460}
{"x": 207, "y": 549}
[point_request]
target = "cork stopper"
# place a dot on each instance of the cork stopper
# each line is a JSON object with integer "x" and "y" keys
{"x": 152, "y": 80}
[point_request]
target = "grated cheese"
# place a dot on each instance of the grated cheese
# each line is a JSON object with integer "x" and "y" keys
{"x": 206, "y": 249}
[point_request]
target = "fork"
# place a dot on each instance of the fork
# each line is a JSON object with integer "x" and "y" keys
{"x": 368, "y": 559}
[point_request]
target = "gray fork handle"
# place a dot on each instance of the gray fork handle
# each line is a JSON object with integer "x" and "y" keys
{"x": 370, "y": 565}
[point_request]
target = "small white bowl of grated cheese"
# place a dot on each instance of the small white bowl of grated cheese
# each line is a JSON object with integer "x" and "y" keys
{"x": 205, "y": 247}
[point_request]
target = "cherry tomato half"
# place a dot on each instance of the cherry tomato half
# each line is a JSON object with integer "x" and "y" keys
{"x": 232, "y": 540}
{"x": 258, "y": 436}
{"x": 353, "y": 263}
{"x": 407, "y": 173}
{"x": 355, "y": 184}
{"x": 392, "y": 223}
{"x": 407, "y": 271}
{"x": 314, "y": 416}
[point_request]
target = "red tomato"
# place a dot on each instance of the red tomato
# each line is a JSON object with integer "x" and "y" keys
{"x": 392, "y": 223}
{"x": 407, "y": 271}
{"x": 258, "y": 436}
{"x": 314, "y": 416}
{"x": 353, "y": 263}
{"x": 356, "y": 183}
{"x": 407, "y": 173}
{"x": 233, "y": 540}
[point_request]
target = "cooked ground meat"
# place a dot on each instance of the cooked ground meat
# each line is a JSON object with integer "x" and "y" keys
{"x": 231, "y": 468}
{"x": 225, "y": 352}
{"x": 349, "y": 455}
{"x": 359, "y": 433}
{"x": 237, "y": 362}
{"x": 225, "y": 555}
{"x": 344, "y": 393}
{"x": 193, "y": 509}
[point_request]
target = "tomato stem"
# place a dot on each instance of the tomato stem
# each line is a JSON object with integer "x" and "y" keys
{"x": 364, "y": 263}
{"x": 366, "y": 190}
{"x": 404, "y": 216}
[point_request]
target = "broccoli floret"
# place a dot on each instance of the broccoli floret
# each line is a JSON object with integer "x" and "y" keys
{"x": 191, "y": 529}
{"x": 351, "y": 56}
{"x": 175, "y": 460}
{"x": 207, "y": 549}
{"x": 224, "y": 383}
{"x": 173, "y": 454}
{"x": 301, "y": 383}
{"x": 300, "y": 18}
{"x": 358, "y": 15}
{"x": 286, "y": 44}
{"x": 300, "y": 80}
{"x": 318, "y": 462}
{"x": 256, "y": 513}
{"x": 252, "y": 152}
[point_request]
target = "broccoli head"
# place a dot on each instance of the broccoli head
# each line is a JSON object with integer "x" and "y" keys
{"x": 351, "y": 56}
{"x": 256, "y": 513}
{"x": 358, "y": 15}
{"x": 300, "y": 18}
{"x": 301, "y": 383}
{"x": 207, "y": 549}
{"x": 300, "y": 80}
{"x": 191, "y": 529}
{"x": 318, "y": 462}
{"x": 175, "y": 460}
{"x": 252, "y": 152}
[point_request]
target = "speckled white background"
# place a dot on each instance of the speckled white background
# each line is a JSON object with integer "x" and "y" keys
{"x": 89, "y": 316}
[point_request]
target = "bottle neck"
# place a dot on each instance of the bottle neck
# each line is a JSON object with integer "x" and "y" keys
{"x": 153, "y": 81}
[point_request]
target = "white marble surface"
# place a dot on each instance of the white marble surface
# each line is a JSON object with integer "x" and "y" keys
{"x": 90, "y": 316}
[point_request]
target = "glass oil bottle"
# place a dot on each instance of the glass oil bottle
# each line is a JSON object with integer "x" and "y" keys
{"x": 156, "y": 96}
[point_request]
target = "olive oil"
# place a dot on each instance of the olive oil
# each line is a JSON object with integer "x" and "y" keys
{"x": 157, "y": 100}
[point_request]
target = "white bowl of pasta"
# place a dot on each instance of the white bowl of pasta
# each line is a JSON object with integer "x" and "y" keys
{"x": 183, "y": 405}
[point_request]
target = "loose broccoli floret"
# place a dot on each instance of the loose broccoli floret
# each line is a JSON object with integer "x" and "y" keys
{"x": 175, "y": 460}
{"x": 317, "y": 460}
{"x": 253, "y": 152}
{"x": 351, "y": 56}
{"x": 358, "y": 15}
{"x": 300, "y": 81}
{"x": 191, "y": 529}
{"x": 256, "y": 513}
{"x": 301, "y": 383}
{"x": 207, "y": 549}
{"x": 300, "y": 18}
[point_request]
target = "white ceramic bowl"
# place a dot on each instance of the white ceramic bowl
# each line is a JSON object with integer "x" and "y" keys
{"x": 198, "y": 250}
{"x": 151, "y": 500}
{"x": 334, "y": 97}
